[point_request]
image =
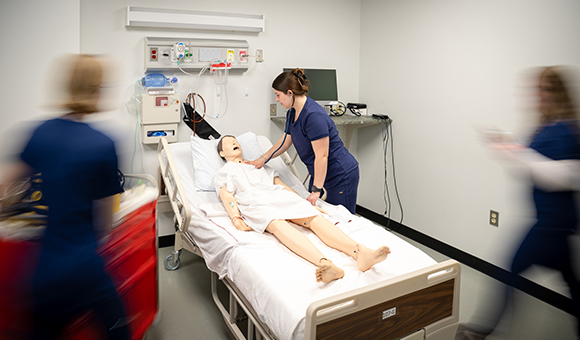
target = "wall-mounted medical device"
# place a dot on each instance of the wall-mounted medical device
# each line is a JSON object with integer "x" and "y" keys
{"x": 160, "y": 114}
{"x": 173, "y": 54}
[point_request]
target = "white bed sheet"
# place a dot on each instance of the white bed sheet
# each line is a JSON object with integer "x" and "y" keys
{"x": 278, "y": 284}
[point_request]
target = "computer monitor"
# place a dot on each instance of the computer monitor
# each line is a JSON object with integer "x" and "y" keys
{"x": 323, "y": 85}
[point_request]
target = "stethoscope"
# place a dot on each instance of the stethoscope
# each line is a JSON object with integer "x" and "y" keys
{"x": 285, "y": 130}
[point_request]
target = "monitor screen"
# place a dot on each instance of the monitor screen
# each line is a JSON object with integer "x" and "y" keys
{"x": 323, "y": 85}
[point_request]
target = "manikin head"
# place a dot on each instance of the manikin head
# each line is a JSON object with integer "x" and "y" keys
{"x": 229, "y": 149}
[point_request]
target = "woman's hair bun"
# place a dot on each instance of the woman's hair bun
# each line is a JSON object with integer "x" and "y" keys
{"x": 301, "y": 78}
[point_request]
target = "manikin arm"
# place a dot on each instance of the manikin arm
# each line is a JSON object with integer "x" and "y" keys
{"x": 232, "y": 209}
{"x": 278, "y": 181}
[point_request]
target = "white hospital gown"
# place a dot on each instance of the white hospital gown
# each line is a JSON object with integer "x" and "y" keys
{"x": 260, "y": 201}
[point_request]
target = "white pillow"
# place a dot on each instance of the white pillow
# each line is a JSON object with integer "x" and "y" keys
{"x": 250, "y": 147}
{"x": 207, "y": 161}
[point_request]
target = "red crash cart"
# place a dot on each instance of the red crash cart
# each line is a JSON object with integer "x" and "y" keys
{"x": 130, "y": 256}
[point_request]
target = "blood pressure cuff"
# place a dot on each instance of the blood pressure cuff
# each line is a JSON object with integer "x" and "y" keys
{"x": 199, "y": 125}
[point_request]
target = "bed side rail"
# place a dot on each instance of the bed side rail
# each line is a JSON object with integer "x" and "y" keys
{"x": 290, "y": 163}
{"x": 427, "y": 299}
{"x": 173, "y": 187}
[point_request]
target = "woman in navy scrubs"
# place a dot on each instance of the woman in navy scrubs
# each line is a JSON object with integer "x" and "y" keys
{"x": 551, "y": 161}
{"x": 78, "y": 167}
{"x": 332, "y": 168}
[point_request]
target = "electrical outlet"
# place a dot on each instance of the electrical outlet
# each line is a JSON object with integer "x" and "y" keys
{"x": 273, "y": 110}
{"x": 259, "y": 56}
{"x": 494, "y": 218}
{"x": 153, "y": 54}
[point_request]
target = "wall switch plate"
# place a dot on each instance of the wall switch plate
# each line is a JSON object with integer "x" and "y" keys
{"x": 494, "y": 218}
{"x": 259, "y": 56}
{"x": 272, "y": 110}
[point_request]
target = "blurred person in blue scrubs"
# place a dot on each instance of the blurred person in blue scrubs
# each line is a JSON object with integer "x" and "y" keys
{"x": 333, "y": 170}
{"x": 552, "y": 161}
{"x": 78, "y": 167}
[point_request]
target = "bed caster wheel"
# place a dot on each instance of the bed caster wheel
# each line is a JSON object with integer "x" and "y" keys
{"x": 170, "y": 263}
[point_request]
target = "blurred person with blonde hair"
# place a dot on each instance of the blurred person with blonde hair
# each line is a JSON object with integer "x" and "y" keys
{"x": 552, "y": 162}
{"x": 78, "y": 167}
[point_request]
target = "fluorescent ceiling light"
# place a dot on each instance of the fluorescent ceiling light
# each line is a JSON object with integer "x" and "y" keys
{"x": 196, "y": 20}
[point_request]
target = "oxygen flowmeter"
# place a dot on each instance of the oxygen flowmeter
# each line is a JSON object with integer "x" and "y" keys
{"x": 179, "y": 50}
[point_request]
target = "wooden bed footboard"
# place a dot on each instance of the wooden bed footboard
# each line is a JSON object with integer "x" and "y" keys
{"x": 425, "y": 301}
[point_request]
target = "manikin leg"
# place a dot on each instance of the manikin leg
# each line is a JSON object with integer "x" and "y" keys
{"x": 301, "y": 245}
{"x": 335, "y": 238}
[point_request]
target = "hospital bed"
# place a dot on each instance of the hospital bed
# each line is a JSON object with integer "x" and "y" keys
{"x": 408, "y": 296}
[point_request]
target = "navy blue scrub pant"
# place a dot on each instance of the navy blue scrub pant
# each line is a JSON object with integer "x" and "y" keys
{"x": 345, "y": 191}
{"x": 66, "y": 286}
{"x": 545, "y": 247}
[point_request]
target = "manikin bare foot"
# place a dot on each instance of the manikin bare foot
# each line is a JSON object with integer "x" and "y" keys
{"x": 327, "y": 271}
{"x": 366, "y": 257}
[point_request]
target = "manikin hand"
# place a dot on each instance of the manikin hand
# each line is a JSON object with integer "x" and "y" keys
{"x": 257, "y": 163}
{"x": 241, "y": 225}
{"x": 313, "y": 197}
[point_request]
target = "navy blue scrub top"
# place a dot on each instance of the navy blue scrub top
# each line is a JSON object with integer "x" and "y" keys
{"x": 78, "y": 165}
{"x": 556, "y": 211}
{"x": 312, "y": 124}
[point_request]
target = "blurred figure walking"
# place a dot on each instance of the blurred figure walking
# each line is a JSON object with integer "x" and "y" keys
{"x": 552, "y": 161}
{"x": 78, "y": 166}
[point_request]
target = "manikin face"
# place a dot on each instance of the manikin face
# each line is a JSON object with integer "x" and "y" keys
{"x": 285, "y": 99}
{"x": 230, "y": 148}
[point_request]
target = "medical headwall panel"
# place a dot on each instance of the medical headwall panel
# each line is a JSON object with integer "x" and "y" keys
{"x": 164, "y": 54}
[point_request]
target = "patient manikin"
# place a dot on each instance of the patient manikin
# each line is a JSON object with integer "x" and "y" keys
{"x": 256, "y": 199}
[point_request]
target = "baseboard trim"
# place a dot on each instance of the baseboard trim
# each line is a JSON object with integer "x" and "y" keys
{"x": 527, "y": 286}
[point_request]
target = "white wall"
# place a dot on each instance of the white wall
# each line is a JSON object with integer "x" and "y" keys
{"x": 298, "y": 34}
{"x": 32, "y": 34}
{"x": 439, "y": 69}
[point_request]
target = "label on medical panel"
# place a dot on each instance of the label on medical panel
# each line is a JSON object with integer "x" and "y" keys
{"x": 389, "y": 312}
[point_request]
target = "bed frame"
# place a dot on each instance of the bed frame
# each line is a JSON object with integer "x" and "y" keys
{"x": 423, "y": 304}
